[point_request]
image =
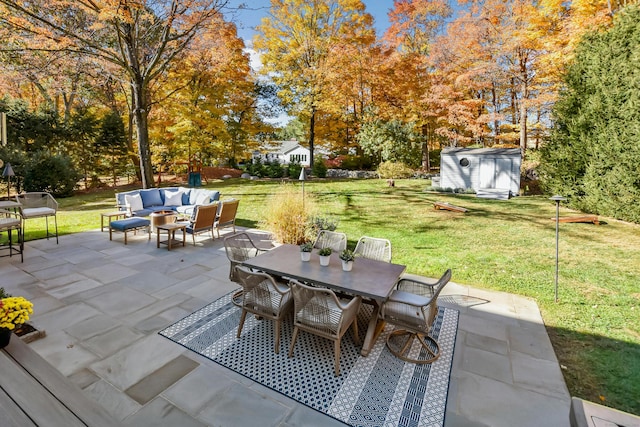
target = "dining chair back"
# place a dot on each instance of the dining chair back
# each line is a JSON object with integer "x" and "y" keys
{"x": 239, "y": 247}
{"x": 319, "y": 311}
{"x": 331, "y": 239}
{"x": 373, "y": 248}
{"x": 264, "y": 297}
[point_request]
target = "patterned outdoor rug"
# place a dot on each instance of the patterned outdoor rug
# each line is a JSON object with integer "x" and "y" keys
{"x": 378, "y": 390}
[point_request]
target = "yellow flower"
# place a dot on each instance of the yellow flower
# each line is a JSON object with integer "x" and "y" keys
{"x": 14, "y": 311}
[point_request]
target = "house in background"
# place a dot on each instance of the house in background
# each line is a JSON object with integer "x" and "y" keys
{"x": 284, "y": 152}
{"x": 490, "y": 172}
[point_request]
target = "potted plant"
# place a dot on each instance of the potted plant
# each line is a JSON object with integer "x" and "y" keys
{"x": 14, "y": 311}
{"x": 305, "y": 251}
{"x": 347, "y": 256}
{"x": 325, "y": 256}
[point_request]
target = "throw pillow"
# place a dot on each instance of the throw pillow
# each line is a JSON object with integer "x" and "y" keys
{"x": 173, "y": 198}
{"x": 134, "y": 202}
{"x": 151, "y": 197}
{"x": 203, "y": 198}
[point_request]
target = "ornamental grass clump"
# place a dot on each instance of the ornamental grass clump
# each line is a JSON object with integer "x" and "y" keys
{"x": 14, "y": 311}
{"x": 287, "y": 216}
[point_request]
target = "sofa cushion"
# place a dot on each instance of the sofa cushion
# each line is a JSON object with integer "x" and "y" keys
{"x": 185, "y": 196}
{"x": 129, "y": 223}
{"x": 173, "y": 198}
{"x": 185, "y": 209}
{"x": 151, "y": 197}
{"x": 134, "y": 201}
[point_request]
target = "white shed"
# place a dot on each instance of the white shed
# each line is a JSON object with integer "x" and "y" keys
{"x": 491, "y": 172}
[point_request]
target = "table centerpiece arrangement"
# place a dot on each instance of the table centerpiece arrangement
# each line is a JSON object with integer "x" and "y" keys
{"x": 325, "y": 255}
{"x": 347, "y": 256}
{"x": 305, "y": 251}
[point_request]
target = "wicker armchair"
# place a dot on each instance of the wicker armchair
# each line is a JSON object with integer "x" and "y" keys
{"x": 413, "y": 308}
{"x": 39, "y": 205}
{"x": 239, "y": 247}
{"x": 10, "y": 221}
{"x": 203, "y": 220}
{"x": 373, "y": 248}
{"x": 320, "y": 312}
{"x": 264, "y": 297}
{"x": 331, "y": 239}
{"x": 227, "y": 215}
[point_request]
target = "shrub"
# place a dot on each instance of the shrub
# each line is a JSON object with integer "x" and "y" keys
{"x": 287, "y": 217}
{"x": 274, "y": 169}
{"x": 394, "y": 170}
{"x": 319, "y": 168}
{"x": 294, "y": 169}
{"x": 55, "y": 174}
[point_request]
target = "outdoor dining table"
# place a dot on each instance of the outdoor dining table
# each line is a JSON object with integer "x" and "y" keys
{"x": 371, "y": 279}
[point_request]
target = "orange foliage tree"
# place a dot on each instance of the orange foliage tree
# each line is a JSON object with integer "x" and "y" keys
{"x": 138, "y": 38}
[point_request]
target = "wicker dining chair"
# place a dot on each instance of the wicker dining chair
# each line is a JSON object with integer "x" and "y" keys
{"x": 264, "y": 297}
{"x": 320, "y": 312}
{"x": 331, "y": 239}
{"x": 413, "y": 307}
{"x": 239, "y": 247}
{"x": 373, "y": 248}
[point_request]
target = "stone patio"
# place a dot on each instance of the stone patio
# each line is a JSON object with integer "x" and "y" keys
{"x": 102, "y": 304}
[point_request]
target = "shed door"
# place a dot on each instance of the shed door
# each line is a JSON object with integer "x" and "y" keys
{"x": 503, "y": 173}
{"x": 487, "y": 173}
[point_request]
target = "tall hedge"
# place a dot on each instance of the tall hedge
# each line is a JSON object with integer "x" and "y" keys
{"x": 593, "y": 155}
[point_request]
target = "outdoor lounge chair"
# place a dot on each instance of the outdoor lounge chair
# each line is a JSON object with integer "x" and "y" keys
{"x": 203, "y": 220}
{"x": 331, "y": 239}
{"x": 373, "y": 248}
{"x": 10, "y": 221}
{"x": 39, "y": 205}
{"x": 413, "y": 308}
{"x": 320, "y": 312}
{"x": 227, "y": 215}
{"x": 264, "y": 297}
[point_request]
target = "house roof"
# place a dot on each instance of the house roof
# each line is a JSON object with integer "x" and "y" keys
{"x": 282, "y": 147}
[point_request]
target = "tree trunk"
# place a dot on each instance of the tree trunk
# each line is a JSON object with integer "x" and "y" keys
{"x": 140, "y": 114}
{"x": 426, "y": 165}
{"x": 312, "y": 134}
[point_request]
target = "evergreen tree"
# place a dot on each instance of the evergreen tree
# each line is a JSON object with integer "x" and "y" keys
{"x": 593, "y": 155}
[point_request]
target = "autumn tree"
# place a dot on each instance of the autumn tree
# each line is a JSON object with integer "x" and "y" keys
{"x": 297, "y": 40}
{"x": 138, "y": 38}
{"x": 406, "y": 74}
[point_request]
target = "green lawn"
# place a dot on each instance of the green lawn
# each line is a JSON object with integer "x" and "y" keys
{"x": 502, "y": 245}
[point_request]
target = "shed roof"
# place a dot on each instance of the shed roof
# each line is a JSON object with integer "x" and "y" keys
{"x": 482, "y": 151}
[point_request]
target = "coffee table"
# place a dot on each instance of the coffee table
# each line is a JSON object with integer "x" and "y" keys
{"x": 171, "y": 229}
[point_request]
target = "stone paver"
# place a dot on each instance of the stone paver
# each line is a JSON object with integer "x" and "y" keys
{"x": 102, "y": 304}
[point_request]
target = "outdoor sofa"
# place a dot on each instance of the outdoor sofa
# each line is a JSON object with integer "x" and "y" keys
{"x": 183, "y": 200}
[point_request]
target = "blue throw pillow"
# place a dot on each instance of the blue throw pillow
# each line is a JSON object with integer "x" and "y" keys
{"x": 151, "y": 197}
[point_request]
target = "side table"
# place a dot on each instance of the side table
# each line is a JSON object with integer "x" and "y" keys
{"x": 171, "y": 229}
{"x": 109, "y": 215}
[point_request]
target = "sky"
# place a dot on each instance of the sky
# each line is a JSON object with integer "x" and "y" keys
{"x": 248, "y": 18}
